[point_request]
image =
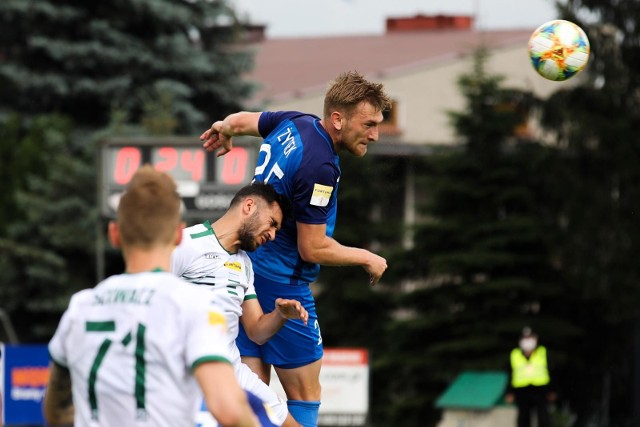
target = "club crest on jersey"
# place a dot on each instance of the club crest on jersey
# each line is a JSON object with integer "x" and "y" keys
{"x": 321, "y": 195}
{"x": 236, "y": 266}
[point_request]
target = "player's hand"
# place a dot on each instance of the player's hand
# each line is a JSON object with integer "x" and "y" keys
{"x": 214, "y": 139}
{"x": 291, "y": 309}
{"x": 376, "y": 268}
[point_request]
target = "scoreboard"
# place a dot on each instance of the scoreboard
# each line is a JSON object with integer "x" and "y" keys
{"x": 205, "y": 182}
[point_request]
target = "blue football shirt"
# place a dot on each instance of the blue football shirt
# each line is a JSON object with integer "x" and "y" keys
{"x": 298, "y": 158}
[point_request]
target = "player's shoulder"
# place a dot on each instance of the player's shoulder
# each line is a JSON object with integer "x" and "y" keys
{"x": 244, "y": 256}
{"x": 275, "y": 117}
{"x": 278, "y": 121}
{"x": 198, "y": 230}
{"x": 81, "y": 298}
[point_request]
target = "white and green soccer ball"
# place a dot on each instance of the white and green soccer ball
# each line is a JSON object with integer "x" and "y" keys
{"x": 559, "y": 50}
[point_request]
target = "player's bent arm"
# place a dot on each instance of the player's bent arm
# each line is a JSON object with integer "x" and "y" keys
{"x": 242, "y": 123}
{"x": 315, "y": 246}
{"x": 260, "y": 327}
{"x": 58, "y": 400}
{"x": 218, "y": 137}
{"x": 226, "y": 401}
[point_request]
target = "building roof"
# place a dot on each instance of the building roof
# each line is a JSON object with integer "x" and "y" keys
{"x": 474, "y": 390}
{"x": 291, "y": 67}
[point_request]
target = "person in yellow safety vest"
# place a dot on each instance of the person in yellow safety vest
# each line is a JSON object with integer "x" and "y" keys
{"x": 529, "y": 385}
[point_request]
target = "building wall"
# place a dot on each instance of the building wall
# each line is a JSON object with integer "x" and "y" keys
{"x": 425, "y": 93}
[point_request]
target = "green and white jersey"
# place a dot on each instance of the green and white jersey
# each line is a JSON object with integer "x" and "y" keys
{"x": 130, "y": 345}
{"x": 201, "y": 259}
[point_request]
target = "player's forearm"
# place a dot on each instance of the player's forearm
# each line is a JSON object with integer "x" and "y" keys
{"x": 242, "y": 123}
{"x": 330, "y": 252}
{"x": 266, "y": 327}
{"x": 58, "y": 402}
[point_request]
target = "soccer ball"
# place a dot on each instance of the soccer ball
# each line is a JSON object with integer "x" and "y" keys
{"x": 558, "y": 49}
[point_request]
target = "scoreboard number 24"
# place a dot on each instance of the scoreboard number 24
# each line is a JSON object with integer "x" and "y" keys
{"x": 205, "y": 182}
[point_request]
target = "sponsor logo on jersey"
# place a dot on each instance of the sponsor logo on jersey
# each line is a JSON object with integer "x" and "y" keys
{"x": 216, "y": 318}
{"x": 321, "y": 195}
{"x": 212, "y": 255}
{"x": 236, "y": 266}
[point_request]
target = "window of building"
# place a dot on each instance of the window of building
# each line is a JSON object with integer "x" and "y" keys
{"x": 389, "y": 125}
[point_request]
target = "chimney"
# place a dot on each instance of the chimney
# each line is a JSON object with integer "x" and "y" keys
{"x": 429, "y": 23}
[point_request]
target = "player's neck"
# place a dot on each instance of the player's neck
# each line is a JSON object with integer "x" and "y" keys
{"x": 141, "y": 260}
{"x": 226, "y": 230}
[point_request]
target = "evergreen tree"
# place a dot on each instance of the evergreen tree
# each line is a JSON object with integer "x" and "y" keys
{"x": 351, "y": 312}
{"x": 481, "y": 265}
{"x": 84, "y": 58}
{"x": 47, "y": 250}
{"x": 597, "y": 123}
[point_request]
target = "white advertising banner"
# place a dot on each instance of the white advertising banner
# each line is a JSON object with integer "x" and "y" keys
{"x": 344, "y": 378}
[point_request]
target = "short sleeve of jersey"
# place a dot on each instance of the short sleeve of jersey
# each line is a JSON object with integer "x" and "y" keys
{"x": 179, "y": 261}
{"x": 206, "y": 330}
{"x": 251, "y": 290}
{"x": 59, "y": 342}
{"x": 314, "y": 185}
{"x": 269, "y": 120}
{"x": 56, "y": 345}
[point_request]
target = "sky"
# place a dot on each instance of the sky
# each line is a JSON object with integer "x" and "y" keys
{"x": 317, "y": 18}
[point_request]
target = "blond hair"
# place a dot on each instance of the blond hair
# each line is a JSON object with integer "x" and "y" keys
{"x": 149, "y": 210}
{"x": 350, "y": 89}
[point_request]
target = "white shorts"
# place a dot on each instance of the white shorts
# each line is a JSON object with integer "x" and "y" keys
{"x": 250, "y": 381}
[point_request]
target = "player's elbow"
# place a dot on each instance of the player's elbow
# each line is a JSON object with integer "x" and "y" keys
{"x": 308, "y": 253}
{"x": 58, "y": 417}
{"x": 230, "y": 415}
{"x": 255, "y": 336}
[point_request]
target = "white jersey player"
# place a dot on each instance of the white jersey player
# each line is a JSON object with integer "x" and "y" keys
{"x": 136, "y": 349}
{"x": 213, "y": 255}
{"x": 130, "y": 344}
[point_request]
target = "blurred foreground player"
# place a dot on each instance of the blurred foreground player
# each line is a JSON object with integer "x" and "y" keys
{"x": 140, "y": 347}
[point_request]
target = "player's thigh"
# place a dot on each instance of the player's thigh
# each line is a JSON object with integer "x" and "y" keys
{"x": 262, "y": 369}
{"x": 301, "y": 383}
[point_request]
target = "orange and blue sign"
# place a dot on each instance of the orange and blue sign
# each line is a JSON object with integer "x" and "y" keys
{"x": 25, "y": 374}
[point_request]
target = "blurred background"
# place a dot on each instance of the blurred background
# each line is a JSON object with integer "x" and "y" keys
{"x": 500, "y": 199}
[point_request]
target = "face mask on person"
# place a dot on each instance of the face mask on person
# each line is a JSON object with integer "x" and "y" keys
{"x": 528, "y": 344}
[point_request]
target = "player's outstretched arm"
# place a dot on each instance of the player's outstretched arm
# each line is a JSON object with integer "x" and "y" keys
{"x": 260, "y": 327}
{"x": 226, "y": 401}
{"x": 218, "y": 137}
{"x": 58, "y": 401}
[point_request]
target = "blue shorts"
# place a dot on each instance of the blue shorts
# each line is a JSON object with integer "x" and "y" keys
{"x": 295, "y": 344}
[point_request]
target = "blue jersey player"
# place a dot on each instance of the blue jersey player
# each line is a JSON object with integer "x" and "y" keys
{"x": 299, "y": 157}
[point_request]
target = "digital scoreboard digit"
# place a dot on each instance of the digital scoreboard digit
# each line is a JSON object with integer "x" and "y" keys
{"x": 205, "y": 182}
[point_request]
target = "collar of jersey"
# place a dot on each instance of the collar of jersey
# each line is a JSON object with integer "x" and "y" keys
{"x": 207, "y": 224}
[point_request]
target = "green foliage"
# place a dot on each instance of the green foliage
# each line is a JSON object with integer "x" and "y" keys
{"x": 47, "y": 247}
{"x": 83, "y": 58}
{"x": 597, "y": 123}
{"x": 365, "y": 219}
